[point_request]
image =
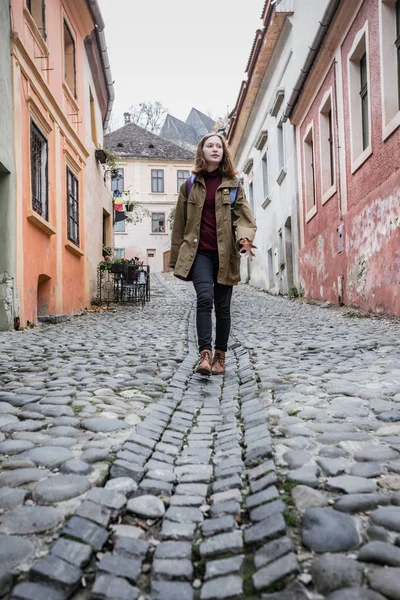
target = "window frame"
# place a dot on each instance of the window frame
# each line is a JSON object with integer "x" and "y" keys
{"x": 310, "y": 188}
{"x": 118, "y": 179}
{"x": 182, "y": 179}
{"x": 359, "y": 152}
{"x": 66, "y": 78}
{"x": 265, "y": 176}
{"x": 156, "y": 179}
{"x": 281, "y": 151}
{"x": 42, "y": 26}
{"x": 42, "y": 203}
{"x": 73, "y": 214}
{"x": 327, "y": 147}
{"x": 119, "y": 252}
{"x": 389, "y": 34}
{"x": 153, "y": 219}
{"x": 118, "y": 223}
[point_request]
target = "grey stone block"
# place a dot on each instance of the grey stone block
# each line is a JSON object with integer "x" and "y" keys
{"x": 108, "y": 587}
{"x": 56, "y": 572}
{"x": 218, "y": 525}
{"x": 171, "y": 590}
{"x": 121, "y": 566}
{"x": 264, "y": 530}
{"x": 36, "y": 591}
{"x": 72, "y": 552}
{"x": 173, "y": 568}
{"x": 224, "y": 566}
{"x": 272, "y": 551}
{"x": 86, "y": 531}
{"x": 222, "y": 587}
{"x": 284, "y": 566}
{"x": 173, "y": 550}
{"x": 130, "y": 547}
{"x": 224, "y": 542}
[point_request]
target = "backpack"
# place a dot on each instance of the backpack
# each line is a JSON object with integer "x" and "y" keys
{"x": 232, "y": 192}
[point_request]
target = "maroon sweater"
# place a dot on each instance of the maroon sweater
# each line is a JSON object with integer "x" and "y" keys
{"x": 208, "y": 227}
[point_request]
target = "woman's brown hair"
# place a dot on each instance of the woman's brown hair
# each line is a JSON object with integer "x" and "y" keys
{"x": 226, "y": 165}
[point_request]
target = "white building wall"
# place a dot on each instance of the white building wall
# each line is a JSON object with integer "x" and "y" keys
{"x": 138, "y": 240}
{"x": 275, "y": 267}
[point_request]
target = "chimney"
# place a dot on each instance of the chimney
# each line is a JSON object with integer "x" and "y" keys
{"x": 127, "y": 117}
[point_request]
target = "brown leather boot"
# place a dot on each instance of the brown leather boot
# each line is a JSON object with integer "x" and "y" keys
{"x": 204, "y": 366}
{"x": 218, "y": 363}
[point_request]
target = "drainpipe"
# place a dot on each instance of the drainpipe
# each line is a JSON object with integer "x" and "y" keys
{"x": 315, "y": 46}
{"x": 101, "y": 42}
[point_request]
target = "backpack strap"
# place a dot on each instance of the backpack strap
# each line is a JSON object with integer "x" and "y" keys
{"x": 189, "y": 184}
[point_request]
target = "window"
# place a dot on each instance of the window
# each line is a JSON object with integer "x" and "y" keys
{"x": 39, "y": 185}
{"x": 389, "y": 21}
{"x": 119, "y": 227}
{"x": 157, "y": 181}
{"x": 364, "y": 101}
{"x": 182, "y": 176}
{"x": 309, "y": 173}
{"x": 158, "y": 222}
{"x": 72, "y": 208}
{"x": 327, "y": 147}
{"x": 117, "y": 180}
{"x": 264, "y": 165}
{"x": 37, "y": 10}
{"x": 359, "y": 100}
{"x": 69, "y": 59}
{"x": 119, "y": 252}
{"x": 281, "y": 152}
{"x": 93, "y": 118}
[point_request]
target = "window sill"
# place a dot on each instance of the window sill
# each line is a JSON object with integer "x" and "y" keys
{"x": 120, "y": 233}
{"x": 391, "y": 126}
{"x": 311, "y": 213}
{"x": 266, "y": 202}
{"x": 36, "y": 32}
{"x": 329, "y": 193}
{"x": 158, "y": 233}
{"x": 157, "y": 193}
{"x": 71, "y": 247}
{"x": 70, "y": 96}
{"x": 281, "y": 176}
{"x": 34, "y": 218}
{"x": 356, "y": 164}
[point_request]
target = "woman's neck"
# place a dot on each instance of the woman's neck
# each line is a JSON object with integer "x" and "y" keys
{"x": 211, "y": 167}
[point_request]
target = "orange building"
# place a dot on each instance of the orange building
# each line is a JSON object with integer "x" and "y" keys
{"x": 63, "y": 96}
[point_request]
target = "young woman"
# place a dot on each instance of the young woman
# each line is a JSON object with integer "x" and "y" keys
{"x": 210, "y": 229}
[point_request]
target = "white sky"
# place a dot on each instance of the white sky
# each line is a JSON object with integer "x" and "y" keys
{"x": 183, "y": 53}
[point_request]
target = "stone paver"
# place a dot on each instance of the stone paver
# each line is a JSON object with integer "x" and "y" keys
{"x": 188, "y": 487}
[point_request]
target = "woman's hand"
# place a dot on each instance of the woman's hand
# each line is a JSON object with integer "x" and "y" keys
{"x": 246, "y": 247}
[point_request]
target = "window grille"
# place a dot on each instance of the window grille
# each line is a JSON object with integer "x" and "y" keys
{"x": 39, "y": 151}
{"x": 72, "y": 207}
{"x": 157, "y": 181}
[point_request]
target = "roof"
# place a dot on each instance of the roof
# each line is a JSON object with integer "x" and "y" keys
{"x": 132, "y": 141}
{"x": 176, "y": 130}
{"x": 196, "y": 126}
{"x": 201, "y": 122}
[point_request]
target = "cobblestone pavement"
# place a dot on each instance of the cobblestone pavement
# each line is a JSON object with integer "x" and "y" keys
{"x": 124, "y": 475}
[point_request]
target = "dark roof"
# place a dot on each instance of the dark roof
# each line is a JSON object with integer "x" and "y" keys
{"x": 132, "y": 141}
{"x": 190, "y": 131}
{"x": 201, "y": 122}
{"x": 176, "y": 130}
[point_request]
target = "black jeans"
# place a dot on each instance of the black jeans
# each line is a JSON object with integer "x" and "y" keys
{"x": 209, "y": 292}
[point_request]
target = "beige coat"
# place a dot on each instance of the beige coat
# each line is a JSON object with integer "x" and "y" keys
{"x": 186, "y": 231}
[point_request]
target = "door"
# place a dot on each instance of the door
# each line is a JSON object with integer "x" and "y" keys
{"x": 151, "y": 259}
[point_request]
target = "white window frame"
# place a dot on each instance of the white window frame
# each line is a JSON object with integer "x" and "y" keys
{"x": 389, "y": 68}
{"x": 280, "y": 142}
{"x": 308, "y": 184}
{"x": 119, "y": 252}
{"x": 359, "y": 47}
{"x": 265, "y": 175}
{"x": 327, "y": 189}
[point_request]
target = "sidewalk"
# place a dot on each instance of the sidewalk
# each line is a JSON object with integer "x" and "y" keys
{"x": 124, "y": 475}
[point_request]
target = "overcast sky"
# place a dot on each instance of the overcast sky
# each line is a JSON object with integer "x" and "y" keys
{"x": 183, "y": 53}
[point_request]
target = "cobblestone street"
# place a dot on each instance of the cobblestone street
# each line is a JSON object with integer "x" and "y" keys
{"x": 124, "y": 475}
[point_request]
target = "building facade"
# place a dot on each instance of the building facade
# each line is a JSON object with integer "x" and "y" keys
{"x": 264, "y": 142}
{"x": 150, "y": 173}
{"x": 8, "y": 292}
{"x": 62, "y": 100}
{"x": 348, "y": 138}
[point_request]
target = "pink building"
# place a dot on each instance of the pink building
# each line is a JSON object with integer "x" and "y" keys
{"x": 347, "y": 117}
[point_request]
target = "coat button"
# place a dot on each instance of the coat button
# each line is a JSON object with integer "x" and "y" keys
{"x": 195, "y": 241}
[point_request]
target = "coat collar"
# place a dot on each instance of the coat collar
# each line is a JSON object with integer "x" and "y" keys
{"x": 227, "y": 182}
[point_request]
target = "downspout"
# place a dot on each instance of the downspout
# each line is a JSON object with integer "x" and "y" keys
{"x": 101, "y": 42}
{"x": 313, "y": 51}
{"x": 338, "y": 179}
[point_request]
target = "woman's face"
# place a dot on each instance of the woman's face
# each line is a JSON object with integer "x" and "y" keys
{"x": 213, "y": 150}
